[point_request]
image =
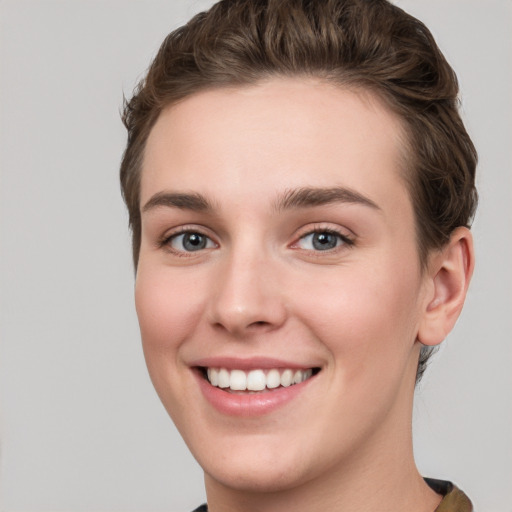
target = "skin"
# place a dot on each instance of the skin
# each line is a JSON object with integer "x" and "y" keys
{"x": 260, "y": 288}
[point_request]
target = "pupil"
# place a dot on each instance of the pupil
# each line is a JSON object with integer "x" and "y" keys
{"x": 194, "y": 242}
{"x": 324, "y": 241}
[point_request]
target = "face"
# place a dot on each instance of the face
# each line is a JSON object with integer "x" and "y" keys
{"x": 278, "y": 253}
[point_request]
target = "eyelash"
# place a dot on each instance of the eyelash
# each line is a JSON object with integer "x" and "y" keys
{"x": 166, "y": 240}
{"x": 345, "y": 241}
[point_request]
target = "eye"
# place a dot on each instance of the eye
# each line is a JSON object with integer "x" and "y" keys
{"x": 324, "y": 240}
{"x": 190, "y": 241}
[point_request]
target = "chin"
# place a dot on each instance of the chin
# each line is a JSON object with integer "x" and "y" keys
{"x": 263, "y": 463}
{"x": 257, "y": 476}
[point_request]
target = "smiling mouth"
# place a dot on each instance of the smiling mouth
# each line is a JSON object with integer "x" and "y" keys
{"x": 257, "y": 380}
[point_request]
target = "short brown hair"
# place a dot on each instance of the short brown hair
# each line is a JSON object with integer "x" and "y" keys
{"x": 368, "y": 44}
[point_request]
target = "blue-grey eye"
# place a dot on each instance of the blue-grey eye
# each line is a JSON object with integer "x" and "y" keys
{"x": 320, "y": 241}
{"x": 191, "y": 242}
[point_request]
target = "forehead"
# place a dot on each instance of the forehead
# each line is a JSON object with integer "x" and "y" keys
{"x": 276, "y": 133}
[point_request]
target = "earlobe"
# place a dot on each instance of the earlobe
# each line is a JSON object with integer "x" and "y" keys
{"x": 450, "y": 272}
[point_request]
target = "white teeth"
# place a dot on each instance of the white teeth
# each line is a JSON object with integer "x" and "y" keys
{"x": 213, "y": 377}
{"x": 286, "y": 378}
{"x": 238, "y": 380}
{"x": 273, "y": 379}
{"x": 256, "y": 380}
{"x": 223, "y": 380}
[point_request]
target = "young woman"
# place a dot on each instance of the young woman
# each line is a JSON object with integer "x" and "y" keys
{"x": 300, "y": 187}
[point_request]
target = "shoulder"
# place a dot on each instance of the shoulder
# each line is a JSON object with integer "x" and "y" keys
{"x": 454, "y": 500}
{"x": 202, "y": 508}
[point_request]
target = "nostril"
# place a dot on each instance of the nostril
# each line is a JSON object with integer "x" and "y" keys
{"x": 259, "y": 323}
{"x": 247, "y": 313}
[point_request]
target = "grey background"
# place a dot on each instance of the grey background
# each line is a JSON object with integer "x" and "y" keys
{"x": 80, "y": 426}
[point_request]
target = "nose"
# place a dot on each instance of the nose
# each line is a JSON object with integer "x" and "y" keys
{"x": 247, "y": 296}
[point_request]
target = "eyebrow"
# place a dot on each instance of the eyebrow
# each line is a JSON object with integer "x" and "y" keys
{"x": 184, "y": 201}
{"x": 313, "y": 196}
{"x": 294, "y": 198}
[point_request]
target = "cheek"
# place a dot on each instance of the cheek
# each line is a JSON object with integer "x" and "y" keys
{"x": 368, "y": 318}
{"x": 168, "y": 307}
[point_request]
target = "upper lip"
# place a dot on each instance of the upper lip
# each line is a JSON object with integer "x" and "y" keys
{"x": 252, "y": 363}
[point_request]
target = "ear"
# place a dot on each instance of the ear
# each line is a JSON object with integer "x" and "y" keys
{"x": 449, "y": 272}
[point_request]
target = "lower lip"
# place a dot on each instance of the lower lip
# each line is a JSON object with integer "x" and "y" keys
{"x": 249, "y": 404}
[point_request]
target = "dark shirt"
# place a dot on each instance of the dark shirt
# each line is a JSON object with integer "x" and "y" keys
{"x": 454, "y": 500}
